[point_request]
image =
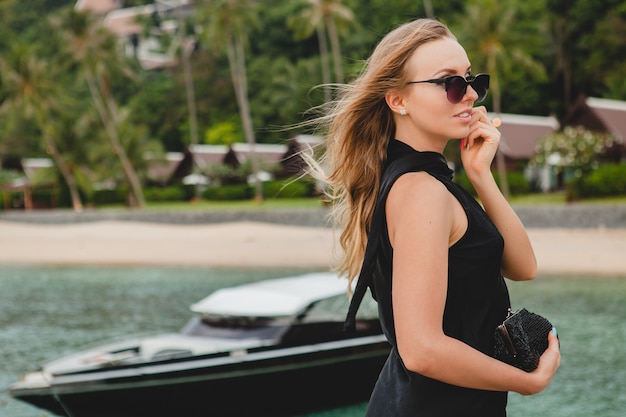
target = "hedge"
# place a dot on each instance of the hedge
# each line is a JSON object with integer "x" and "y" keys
{"x": 606, "y": 181}
{"x": 290, "y": 188}
{"x": 518, "y": 184}
{"x": 172, "y": 193}
{"x": 228, "y": 192}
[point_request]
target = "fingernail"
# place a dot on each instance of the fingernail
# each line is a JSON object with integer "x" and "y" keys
{"x": 554, "y": 332}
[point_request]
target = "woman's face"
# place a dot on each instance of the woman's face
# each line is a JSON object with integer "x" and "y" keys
{"x": 430, "y": 116}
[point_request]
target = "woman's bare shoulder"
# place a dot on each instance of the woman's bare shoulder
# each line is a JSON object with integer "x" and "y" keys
{"x": 418, "y": 193}
{"x": 417, "y": 185}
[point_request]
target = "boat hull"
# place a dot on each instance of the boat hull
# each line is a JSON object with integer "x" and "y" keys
{"x": 273, "y": 382}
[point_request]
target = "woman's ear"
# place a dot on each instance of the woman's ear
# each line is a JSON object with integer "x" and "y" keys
{"x": 396, "y": 102}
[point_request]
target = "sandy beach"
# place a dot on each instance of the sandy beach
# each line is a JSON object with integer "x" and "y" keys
{"x": 258, "y": 245}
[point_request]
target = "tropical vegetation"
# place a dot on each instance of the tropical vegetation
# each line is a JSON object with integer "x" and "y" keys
{"x": 247, "y": 69}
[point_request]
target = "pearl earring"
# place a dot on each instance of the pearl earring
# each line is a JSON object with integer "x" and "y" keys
{"x": 403, "y": 112}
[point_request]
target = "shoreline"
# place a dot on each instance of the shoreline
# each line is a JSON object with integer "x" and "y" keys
{"x": 252, "y": 244}
{"x": 559, "y": 216}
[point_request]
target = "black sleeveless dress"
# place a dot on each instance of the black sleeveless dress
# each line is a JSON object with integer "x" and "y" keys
{"x": 477, "y": 300}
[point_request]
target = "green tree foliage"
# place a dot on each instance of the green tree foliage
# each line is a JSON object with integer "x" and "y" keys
{"x": 607, "y": 51}
{"x": 100, "y": 64}
{"x": 161, "y": 108}
{"x": 30, "y": 92}
{"x": 581, "y": 44}
{"x": 608, "y": 180}
{"x": 227, "y": 26}
{"x": 325, "y": 18}
{"x": 224, "y": 133}
{"x": 586, "y": 50}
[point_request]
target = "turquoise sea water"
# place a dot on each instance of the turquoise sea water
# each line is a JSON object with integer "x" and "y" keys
{"x": 46, "y": 312}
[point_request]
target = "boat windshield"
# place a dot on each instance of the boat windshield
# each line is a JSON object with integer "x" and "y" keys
{"x": 335, "y": 309}
{"x": 327, "y": 310}
{"x": 235, "y": 328}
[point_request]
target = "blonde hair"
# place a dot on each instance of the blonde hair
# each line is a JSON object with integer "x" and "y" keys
{"x": 359, "y": 125}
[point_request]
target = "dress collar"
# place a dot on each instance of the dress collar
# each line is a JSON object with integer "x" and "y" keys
{"x": 433, "y": 162}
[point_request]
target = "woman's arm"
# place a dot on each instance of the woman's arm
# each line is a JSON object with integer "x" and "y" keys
{"x": 518, "y": 261}
{"x": 421, "y": 230}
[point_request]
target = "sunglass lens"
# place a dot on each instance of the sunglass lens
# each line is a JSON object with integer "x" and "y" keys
{"x": 456, "y": 89}
{"x": 480, "y": 84}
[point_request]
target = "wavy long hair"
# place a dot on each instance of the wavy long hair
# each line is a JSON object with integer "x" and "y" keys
{"x": 358, "y": 126}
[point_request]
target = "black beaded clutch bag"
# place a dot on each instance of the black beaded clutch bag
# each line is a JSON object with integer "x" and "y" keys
{"x": 521, "y": 339}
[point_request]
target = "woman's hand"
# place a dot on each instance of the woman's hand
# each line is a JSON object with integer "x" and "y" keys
{"x": 548, "y": 365}
{"x": 479, "y": 147}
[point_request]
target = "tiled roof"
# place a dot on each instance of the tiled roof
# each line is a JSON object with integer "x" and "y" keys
{"x": 206, "y": 155}
{"x": 612, "y": 113}
{"x": 520, "y": 133}
{"x": 97, "y": 6}
{"x": 124, "y": 22}
{"x": 267, "y": 153}
{"x": 162, "y": 170}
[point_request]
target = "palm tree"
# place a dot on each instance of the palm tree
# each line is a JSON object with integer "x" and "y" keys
{"x": 304, "y": 24}
{"x": 227, "y": 25}
{"x": 337, "y": 16}
{"x": 486, "y": 31}
{"x": 428, "y": 8}
{"x": 562, "y": 59}
{"x": 30, "y": 91}
{"x": 136, "y": 141}
{"x": 324, "y": 17}
{"x": 95, "y": 51}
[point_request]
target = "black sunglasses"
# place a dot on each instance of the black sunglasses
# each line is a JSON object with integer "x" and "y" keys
{"x": 456, "y": 86}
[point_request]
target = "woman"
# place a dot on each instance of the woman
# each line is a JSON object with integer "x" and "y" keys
{"x": 445, "y": 255}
